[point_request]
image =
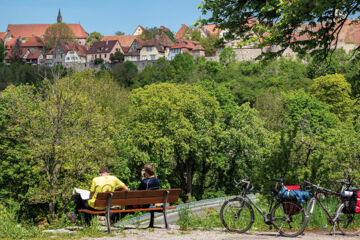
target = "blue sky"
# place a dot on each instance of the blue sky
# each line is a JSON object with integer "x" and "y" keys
{"x": 104, "y": 16}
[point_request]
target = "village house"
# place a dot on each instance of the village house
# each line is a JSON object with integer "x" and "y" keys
{"x": 69, "y": 54}
{"x": 138, "y": 31}
{"x": 149, "y": 50}
{"x": 103, "y": 50}
{"x": 182, "y": 46}
{"x": 27, "y": 55}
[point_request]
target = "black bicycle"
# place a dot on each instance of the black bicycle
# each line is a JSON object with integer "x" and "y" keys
{"x": 287, "y": 217}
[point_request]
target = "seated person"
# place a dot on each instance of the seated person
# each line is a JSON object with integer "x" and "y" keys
{"x": 148, "y": 179}
{"x": 103, "y": 183}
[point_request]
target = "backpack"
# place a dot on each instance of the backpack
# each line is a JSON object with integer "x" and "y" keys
{"x": 352, "y": 202}
{"x": 292, "y": 192}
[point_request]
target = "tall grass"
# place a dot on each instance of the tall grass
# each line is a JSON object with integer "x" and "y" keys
{"x": 10, "y": 228}
{"x": 210, "y": 218}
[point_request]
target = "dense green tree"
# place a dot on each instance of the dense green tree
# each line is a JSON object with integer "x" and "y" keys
{"x": 68, "y": 128}
{"x": 210, "y": 44}
{"x": 118, "y": 57}
{"x": 125, "y": 73}
{"x": 278, "y": 22}
{"x": 227, "y": 56}
{"x": 119, "y": 33}
{"x": 94, "y": 37}
{"x": 184, "y": 66}
{"x": 160, "y": 71}
{"x": 2, "y": 53}
{"x": 56, "y": 32}
{"x": 175, "y": 127}
{"x": 98, "y": 61}
{"x": 17, "y": 176}
{"x": 335, "y": 91}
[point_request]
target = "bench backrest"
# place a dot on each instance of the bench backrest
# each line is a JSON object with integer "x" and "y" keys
{"x": 137, "y": 197}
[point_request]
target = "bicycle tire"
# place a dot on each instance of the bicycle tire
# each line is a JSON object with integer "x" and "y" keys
{"x": 237, "y": 215}
{"x": 288, "y": 219}
{"x": 349, "y": 223}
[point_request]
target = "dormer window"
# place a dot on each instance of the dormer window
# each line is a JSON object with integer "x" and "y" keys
{"x": 98, "y": 49}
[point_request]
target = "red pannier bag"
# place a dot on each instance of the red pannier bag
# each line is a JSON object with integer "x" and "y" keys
{"x": 290, "y": 208}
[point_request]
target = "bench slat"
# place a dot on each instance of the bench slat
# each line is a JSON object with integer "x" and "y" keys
{"x": 137, "y": 197}
{"x": 125, "y": 210}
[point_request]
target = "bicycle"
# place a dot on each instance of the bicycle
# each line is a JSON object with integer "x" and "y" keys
{"x": 237, "y": 214}
{"x": 348, "y": 223}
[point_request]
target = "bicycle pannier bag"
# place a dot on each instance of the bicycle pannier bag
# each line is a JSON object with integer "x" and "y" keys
{"x": 352, "y": 204}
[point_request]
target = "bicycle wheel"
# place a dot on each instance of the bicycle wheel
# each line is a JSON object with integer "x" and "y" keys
{"x": 349, "y": 223}
{"x": 288, "y": 219}
{"x": 236, "y": 215}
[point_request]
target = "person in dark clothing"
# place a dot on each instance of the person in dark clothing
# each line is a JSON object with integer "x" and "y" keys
{"x": 148, "y": 179}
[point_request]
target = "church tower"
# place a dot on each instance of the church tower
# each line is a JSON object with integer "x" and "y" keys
{"x": 59, "y": 17}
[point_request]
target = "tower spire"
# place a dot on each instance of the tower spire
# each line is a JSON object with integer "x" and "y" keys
{"x": 59, "y": 17}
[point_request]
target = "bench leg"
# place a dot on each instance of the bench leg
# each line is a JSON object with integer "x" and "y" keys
{"x": 165, "y": 220}
{"x": 151, "y": 225}
{"x": 107, "y": 214}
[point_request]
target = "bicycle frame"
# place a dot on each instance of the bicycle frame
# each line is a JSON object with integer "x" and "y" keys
{"x": 263, "y": 213}
{"x": 331, "y": 217}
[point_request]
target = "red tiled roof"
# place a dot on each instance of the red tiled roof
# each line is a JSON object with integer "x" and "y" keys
{"x": 102, "y": 47}
{"x": 212, "y": 29}
{"x": 10, "y": 43}
{"x": 2, "y": 35}
{"x": 124, "y": 40}
{"x": 33, "y": 42}
{"x": 181, "y": 31}
{"x": 51, "y": 51}
{"x": 34, "y": 55}
{"x": 29, "y": 30}
{"x": 21, "y": 53}
{"x": 125, "y": 49}
{"x": 185, "y": 44}
{"x": 164, "y": 40}
{"x": 164, "y": 28}
{"x": 70, "y": 46}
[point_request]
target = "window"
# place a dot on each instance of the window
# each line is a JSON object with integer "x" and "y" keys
{"x": 144, "y": 57}
{"x": 152, "y": 56}
{"x": 67, "y": 58}
{"x": 105, "y": 55}
{"x": 148, "y": 49}
{"x": 98, "y": 49}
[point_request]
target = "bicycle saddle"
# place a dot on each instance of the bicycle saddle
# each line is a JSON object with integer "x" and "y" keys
{"x": 277, "y": 179}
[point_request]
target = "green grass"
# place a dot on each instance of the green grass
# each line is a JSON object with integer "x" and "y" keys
{"x": 211, "y": 218}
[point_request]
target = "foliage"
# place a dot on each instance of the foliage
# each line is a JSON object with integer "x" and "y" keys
{"x": 210, "y": 44}
{"x": 98, "y": 61}
{"x": 278, "y": 22}
{"x": 119, "y": 33}
{"x": 2, "y": 49}
{"x": 117, "y": 57}
{"x": 175, "y": 127}
{"x": 335, "y": 91}
{"x": 65, "y": 129}
{"x": 227, "y": 56}
{"x": 56, "y": 32}
{"x": 125, "y": 73}
{"x": 93, "y": 37}
{"x": 10, "y": 227}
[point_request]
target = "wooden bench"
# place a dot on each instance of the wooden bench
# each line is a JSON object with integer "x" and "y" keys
{"x": 138, "y": 197}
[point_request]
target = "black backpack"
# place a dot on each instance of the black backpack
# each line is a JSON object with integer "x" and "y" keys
{"x": 352, "y": 204}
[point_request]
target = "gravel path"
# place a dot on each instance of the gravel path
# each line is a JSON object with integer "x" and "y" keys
{"x": 218, "y": 234}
